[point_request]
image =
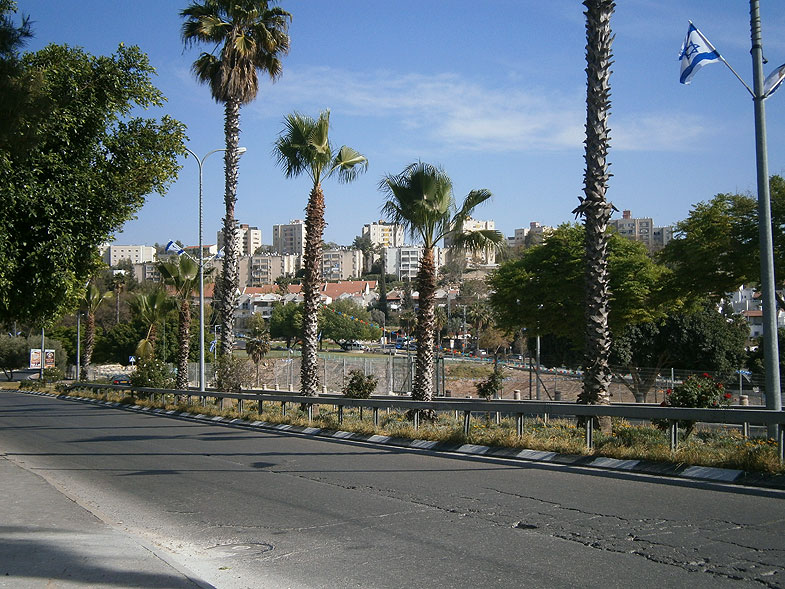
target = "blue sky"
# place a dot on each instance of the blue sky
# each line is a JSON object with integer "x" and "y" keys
{"x": 492, "y": 91}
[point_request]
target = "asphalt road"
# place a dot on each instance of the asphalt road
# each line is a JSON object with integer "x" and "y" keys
{"x": 238, "y": 508}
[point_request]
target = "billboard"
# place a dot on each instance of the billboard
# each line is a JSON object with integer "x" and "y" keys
{"x": 35, "y": 358}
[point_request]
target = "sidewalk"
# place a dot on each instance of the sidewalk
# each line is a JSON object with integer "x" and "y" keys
{"x": 47, "y": 540}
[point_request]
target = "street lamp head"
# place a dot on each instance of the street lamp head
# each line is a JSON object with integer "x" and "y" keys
{"x": 241, "y": 150}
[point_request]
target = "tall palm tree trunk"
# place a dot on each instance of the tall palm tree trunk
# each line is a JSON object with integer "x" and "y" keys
{"x": 424, "y": 331}
{"x": 184, "y": 347}
{"x": 595, "y": 209}
{"x": 89, "y": 344}
{"x": 314, "y": 229}
{"x": 231, "y": 275}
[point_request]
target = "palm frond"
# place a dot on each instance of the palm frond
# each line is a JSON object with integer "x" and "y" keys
{"x": 348, "y": 164}
{"x": 479, "y": 240}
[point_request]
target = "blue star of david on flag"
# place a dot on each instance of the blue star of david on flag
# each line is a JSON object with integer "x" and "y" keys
{"x": 696, "y": 52}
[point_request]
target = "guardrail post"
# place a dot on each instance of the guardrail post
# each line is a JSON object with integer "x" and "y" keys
{"x": 340, "y": 413}
{"x": 519, "y": 424}
{"x": 745, "y": 430}
{"x": 376, "y": 417}
{"x": 467, "y": 416}
{"x": 416, "y": 420}
{"x": 545, "y": 419}
{"x": 781, "y": 442}
{"x": 283, "y": 408}
{"x": 310, "y": 413}
{"x": 498, "y": 418}
{"x": 673, "y": 434}
{"x": 590, "y": 433}
{"x": 239, "y": 405}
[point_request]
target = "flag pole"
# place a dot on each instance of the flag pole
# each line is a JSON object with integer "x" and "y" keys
{"x": 768, "y": 285}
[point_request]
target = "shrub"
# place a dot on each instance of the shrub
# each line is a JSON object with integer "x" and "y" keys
{"x": 491, "y": 386}
{"x": 232, "y": 373}
{"x": 696, "y": 391}
{"x": 152, "y": 373}
{"x": 53, "y": 375}
{"x": 359, "y": 385}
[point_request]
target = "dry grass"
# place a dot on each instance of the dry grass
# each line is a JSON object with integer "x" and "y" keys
{"x": 725, "y": 448}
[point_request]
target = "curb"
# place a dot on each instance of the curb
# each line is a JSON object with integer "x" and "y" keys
{"x": 682, "y": 471}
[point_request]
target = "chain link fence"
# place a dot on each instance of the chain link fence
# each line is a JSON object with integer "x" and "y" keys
{"x": 459, "y": 378}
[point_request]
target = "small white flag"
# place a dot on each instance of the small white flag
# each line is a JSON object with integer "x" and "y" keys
{"x": 220, "y": 254}
{"x": 773, "y": 81}
{"x": 172, "y": 246}
{"x": 696, "y": 52}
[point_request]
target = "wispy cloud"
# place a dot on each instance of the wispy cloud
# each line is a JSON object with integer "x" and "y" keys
{"x": 449, "y": 111}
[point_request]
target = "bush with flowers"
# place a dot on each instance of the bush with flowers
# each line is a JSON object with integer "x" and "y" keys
{"x": 701, "y": 391}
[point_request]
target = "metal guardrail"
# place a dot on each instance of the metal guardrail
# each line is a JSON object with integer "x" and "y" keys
{"x": 743, "y": 416}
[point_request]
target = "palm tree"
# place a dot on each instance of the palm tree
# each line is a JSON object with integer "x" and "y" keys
{"x": 593, "y": 207}
{"x": 303, "y": 147}
{"x": 183, "y": 275}
{"x": 92, "y": 300}
{"x": 258, "y": 344}
{"x": 252, "y": 36}
{"x": 151, "y": 308}
{"x": 421, "y": 200}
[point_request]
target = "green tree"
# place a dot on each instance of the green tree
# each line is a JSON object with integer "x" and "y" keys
{"x": 345, "y": 321}
{"x": 14, "y": 354}
{"x": 92, "y": 300}
{"x": 286, "y": 322}
{"x": 183, "y": 275}
{"x": 252, "y": 36}
{"x": 542, "y": 291}
{"x": 420, "y": 199}
{"x": 702, "y": 340}
{"x": 303, "y": 147}
{"x": 76, "y": 172}
{"x": 715, "y": 250}
{"x": 594, "y": 208}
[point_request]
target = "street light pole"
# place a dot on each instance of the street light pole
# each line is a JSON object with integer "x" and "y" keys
{"x": 200, "y": 163}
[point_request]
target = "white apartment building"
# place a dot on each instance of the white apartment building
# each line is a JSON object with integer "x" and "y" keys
{"x": 404, "y": 262}
{"x": 384, "y": 234}
{"x": 249, "y": 239}
{"x": 137, "y": 254}
{"x": 289, "y": 238}
{"x": 483, "y": 258}
{"x": 532, "y": 235}
{"x": 341, "y": 264}
{"x": 642, "y": 229}
{"x": 266, "y": 268}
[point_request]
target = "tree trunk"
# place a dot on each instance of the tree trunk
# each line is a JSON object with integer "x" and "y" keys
{"x": 595, "y": 209}
{"x": 231, "y": 277}
{"x": 89, "y": 343}
{"x": 424, "y": 331}
{"x": 185, "y": 344}
{"x": 314, "y": 229}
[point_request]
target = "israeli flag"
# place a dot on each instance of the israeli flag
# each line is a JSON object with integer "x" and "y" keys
{"x": 695, "y": 53}
{"x": 773, "y": 81}
{"x": 220, "y": 254}
{"x": 172, "y": 246}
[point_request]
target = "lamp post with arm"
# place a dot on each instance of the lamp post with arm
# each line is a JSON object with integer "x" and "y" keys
{"x": 200, "y": 163}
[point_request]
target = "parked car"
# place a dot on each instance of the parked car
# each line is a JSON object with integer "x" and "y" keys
{"x": 121, "y": 379}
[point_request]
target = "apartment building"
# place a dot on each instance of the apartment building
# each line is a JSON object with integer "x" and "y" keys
{"x": 289, "y": 238}
{"x": 642, "y": 229}
{"x": 341, "y": 264}
{"x": 266, "y": 268}
{"x": 136, "y": 254}
{"x": 404, "y": 262}
{"x": 485, "y": 257}
{"x": 384, "y": 234}
{"x": 248, "y": 239}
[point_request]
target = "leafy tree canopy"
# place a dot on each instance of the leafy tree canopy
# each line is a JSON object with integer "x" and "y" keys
{"x": 74, "y": 166}
{"x": 286, "y": 322}
{"x": 543, "y": 290}
{"x": 716, "y": 249}
{"x": 342, "y": 322}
